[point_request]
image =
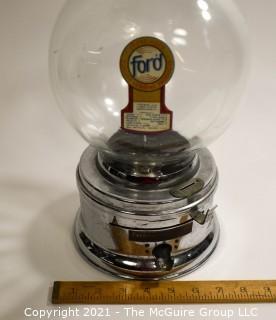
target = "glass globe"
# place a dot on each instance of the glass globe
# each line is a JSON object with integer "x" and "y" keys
{"x": 207, "y": 39}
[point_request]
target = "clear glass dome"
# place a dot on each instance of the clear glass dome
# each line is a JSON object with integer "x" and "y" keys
{"x": 206, "y": 37}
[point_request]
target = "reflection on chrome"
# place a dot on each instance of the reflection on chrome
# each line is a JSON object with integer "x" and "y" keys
{"x": 129, "y": 263}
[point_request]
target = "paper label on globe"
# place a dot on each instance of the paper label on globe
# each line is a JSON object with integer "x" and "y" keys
{"x": 146, "y": 117}
{"x": 147, "y": 65}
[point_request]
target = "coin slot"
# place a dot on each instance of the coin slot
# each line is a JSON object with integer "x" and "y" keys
{"x": 188, "y": 186}
{"x": 188, "y": 190}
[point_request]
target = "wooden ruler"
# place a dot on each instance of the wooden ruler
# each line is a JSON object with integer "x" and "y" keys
{"x": 164, "y": 292}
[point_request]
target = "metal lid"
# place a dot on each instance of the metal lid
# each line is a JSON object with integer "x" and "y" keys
{"x": 127, "y": 197}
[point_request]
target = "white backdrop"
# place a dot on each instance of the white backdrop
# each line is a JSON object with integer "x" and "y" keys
{"x": 39, "y": 152}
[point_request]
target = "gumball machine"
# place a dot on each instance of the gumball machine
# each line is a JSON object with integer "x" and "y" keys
{"x": 148, "y": 85}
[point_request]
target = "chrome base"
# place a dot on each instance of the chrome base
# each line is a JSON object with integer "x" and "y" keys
{"x": 161, "y": 232}
{"x": 137, "y": 268}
